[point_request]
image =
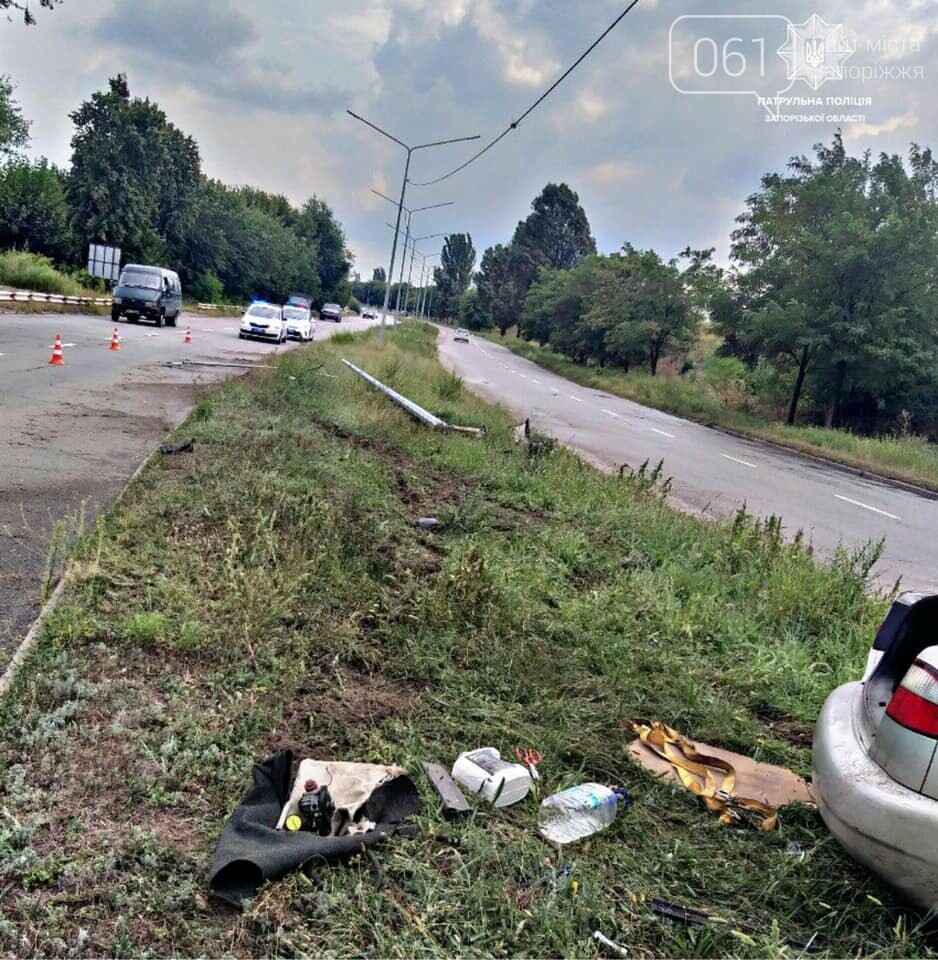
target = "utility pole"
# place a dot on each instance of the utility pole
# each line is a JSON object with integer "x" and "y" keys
{"x": 400, "y": 207}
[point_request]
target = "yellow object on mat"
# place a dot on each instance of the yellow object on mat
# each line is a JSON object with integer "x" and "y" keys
{"x": 696, "y": 772}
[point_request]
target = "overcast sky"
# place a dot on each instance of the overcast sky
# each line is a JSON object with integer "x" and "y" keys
{"x": 263, "y": 86}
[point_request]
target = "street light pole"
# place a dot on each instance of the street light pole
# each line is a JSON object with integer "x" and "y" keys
{"x": 410, "y": 213}
{"x": 410, "y": 150}
{"x": 413, "y": 250}
{"x": 400, "y": 282}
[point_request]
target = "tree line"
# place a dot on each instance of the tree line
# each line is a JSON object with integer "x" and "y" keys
{"x": 135, "y": 181}
{"x": 827, "y": 312}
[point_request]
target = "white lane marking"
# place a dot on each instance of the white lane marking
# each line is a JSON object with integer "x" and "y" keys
{"x": 229, "y": 329}
{"x": 555, "y": 393}
{"x": 538, "y": 382}
{"x": 522, "y": 375}
{"x": 578, "y": 399}
{"x": 866, "y": 506}
{"x": 745, "y": 463}
{"x": 52, "y": 345}
{"x": 152, "y": 334}
{"x": 663, "y": 433}
{"x": 611, "y": 414}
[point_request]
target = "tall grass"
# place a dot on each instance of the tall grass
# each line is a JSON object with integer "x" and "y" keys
{"x": 271, "y": 590}
{"x": 29, "y": 271}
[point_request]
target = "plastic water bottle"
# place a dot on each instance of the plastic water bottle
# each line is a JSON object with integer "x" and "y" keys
{"x": 578, "y": 812}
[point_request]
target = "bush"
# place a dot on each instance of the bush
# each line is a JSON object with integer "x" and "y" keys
{"x": 30, "y": 271}
{"x": 208, "y": 288}
{"x": 472, "y": 315}
{"x": 354, "y": 305}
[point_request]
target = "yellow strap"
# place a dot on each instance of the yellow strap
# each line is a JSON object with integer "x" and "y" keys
{"x": 695, "y": 771}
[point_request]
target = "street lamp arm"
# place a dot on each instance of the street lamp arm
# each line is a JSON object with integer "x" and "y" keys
{"x": 436, "y": 143}
{"x": 383, "y": 133}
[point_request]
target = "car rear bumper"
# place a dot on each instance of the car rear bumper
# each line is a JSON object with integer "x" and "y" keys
{"x": 887, "y": 827}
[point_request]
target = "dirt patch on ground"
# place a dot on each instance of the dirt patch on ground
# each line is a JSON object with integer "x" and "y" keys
{"x": 355, "y": 698}
{"x": 333, "y": 707}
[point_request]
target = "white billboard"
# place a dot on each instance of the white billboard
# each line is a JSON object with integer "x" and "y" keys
{"x": 104, "y": 262}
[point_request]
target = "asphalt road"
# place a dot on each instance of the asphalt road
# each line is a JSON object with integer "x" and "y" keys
{"x": 71, "y": 436}
{"x": 713, "y": 473}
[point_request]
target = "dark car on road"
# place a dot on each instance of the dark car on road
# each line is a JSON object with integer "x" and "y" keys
{"x": 331, "y": 311}
{"x": 147, "y": 293}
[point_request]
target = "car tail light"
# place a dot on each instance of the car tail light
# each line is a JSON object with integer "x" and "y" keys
{"x": 914, "y": 705}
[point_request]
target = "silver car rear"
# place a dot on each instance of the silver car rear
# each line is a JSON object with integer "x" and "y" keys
{"x": 875, "y": 776}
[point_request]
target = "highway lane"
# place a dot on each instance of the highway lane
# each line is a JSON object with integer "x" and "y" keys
{"x": 71, "y": 436}
{"x": 713, "y": 473}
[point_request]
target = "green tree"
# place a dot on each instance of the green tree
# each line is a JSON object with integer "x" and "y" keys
{"x": 472, "y": 315}
{"x": 379, "y": 275}
{"x": 134, "y": 175}
{"x": 14, "y": 129}
{"x": 556, "y": 233}
{"x": 318, "y": 227}
{"x": 453, "y": 276}
{"x": 502, "y": 282}
{"x": 33, "y": 209}
{"x": 839, "y": 261}
{"x": 556, "y": 307}
{"x": 644, "y": 307}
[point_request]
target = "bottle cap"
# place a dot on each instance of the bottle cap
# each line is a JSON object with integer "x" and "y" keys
{"x": 310, "y": 785}
{"x": 293, "y": 822}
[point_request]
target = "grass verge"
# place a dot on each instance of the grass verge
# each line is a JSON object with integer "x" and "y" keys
{"x": 910, "y": 459}
{"x": 29, "y": 271}
{"x": 270, "y": 590}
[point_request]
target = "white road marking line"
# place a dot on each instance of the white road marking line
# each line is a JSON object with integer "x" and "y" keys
{"x": 538, "y": 382}
{"x": 745, "y": 463}
{"x": 663, "y": 433}
{"x": 866, "y": 506}
{"x": 52, "y": 345}
{"x": 578, "y": 399}
{"x": 611, "y": 414}
{"x": 522, "y": 375}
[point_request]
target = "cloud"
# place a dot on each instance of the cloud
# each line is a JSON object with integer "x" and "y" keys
{"x": 860, "y": 131}
{"x": 215, "y": 51}
{"x": 178, "y": 30}
{"x": 592, "y": 106}
{"x": 611, "y": 172}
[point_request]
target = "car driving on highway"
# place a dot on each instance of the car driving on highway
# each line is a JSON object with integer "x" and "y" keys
{"x": 369, "y": 313}
{"x": 263, "y": 321}
{"x": 299, "y": 322}
{"x": 874, "y": 764}
{"x": 461, "y": 336}
{"x": 331, "y": 311}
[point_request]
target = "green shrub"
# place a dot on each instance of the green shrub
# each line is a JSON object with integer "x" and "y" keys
{"x": 354, "y": 305}
{"x": 29, "y": 271}
{"x": 207, "y": 288}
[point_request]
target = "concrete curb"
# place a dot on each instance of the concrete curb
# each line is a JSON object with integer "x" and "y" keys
{"x": 22, "y": 652}
{"x": 29, "y": 642}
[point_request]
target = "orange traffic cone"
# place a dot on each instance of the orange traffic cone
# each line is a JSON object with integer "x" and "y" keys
{"x": 188, "y": 336}
{"x": 57, "y": 359}
{"x": 115, "y": 341}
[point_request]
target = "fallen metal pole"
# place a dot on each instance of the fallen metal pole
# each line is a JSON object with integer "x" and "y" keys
{"x": 217, "y": 363}
{"x": 424, "y": 416}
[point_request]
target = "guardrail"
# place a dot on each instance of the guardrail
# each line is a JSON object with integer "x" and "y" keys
{"x": 26, "y": 296}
